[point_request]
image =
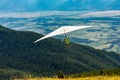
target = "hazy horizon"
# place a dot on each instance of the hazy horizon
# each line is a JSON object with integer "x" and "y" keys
{"x": 59, "y": 5}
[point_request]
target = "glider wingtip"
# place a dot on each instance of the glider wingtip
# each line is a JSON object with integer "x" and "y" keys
{"x": 35, "y": 41}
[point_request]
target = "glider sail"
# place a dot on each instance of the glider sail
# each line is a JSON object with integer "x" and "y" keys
{"x": 62, "y": 30}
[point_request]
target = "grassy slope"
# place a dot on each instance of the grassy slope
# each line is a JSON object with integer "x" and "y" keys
{"x": 86, "y": 78}
{"x": 18, "y": 51}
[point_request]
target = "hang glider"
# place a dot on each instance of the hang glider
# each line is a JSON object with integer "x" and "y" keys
{"x": 62, "y": 30}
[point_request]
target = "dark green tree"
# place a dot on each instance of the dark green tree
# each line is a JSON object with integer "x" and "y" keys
{"x": 60, "y": 75}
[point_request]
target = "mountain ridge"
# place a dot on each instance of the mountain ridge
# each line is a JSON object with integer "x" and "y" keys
{"x": 65, "y": 5}
{"x": 85, "y": 5}
{"x": 17, "y": 51}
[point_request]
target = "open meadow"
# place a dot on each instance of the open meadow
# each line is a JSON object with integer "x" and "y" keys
{"x": 86, "y": 78}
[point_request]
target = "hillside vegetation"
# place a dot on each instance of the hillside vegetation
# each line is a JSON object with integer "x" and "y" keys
{"x": 6, "y": 74}
{"x": 17, "y": 51}
{"x": 87, "y": 78}
{"x": 110, "y": 72}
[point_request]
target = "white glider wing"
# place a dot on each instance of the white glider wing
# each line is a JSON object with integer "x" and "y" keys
{"x": 62, "y": 30}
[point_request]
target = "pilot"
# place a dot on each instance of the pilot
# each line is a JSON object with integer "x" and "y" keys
{"x": 66, "y": 40}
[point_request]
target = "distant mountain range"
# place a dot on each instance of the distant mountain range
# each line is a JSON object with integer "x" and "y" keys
{"x": 28, "y": 5}
{"x": 17, "y": 51}
{"x": 116, "y": 5}
{"x": 66, "y": 5}
{"x": 90, "y": 5}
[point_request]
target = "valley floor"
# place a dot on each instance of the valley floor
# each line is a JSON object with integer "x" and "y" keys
{"x": 86, "y": 78}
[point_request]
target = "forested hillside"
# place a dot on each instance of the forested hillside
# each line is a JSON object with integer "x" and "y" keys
{"x": 107, "y": 72}
{"x": 17, "y": 51}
